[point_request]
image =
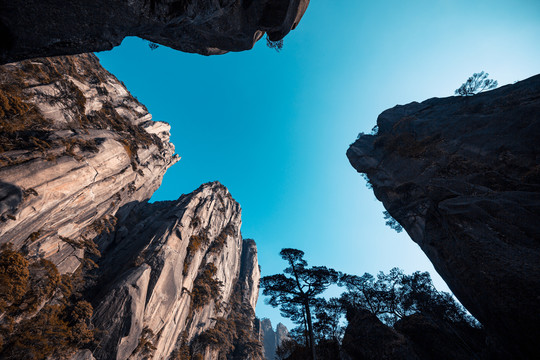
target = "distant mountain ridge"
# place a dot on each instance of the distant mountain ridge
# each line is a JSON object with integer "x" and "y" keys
{"x": 271, "y": 339}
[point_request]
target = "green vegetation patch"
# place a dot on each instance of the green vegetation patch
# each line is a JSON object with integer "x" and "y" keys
{"x": 206, "y": 288}
{"x": 42, "y": 313}
{"x": 195, "y": 243}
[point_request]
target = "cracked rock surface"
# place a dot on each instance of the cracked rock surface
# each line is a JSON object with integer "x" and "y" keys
{"x": 77, "y": 148}
{"x": 151, "y": 270}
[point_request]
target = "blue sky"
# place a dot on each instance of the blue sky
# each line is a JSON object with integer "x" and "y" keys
{"x": 274, "y": 127}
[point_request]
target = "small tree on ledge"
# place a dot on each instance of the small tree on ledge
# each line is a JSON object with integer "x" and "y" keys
{"x": 477, "y": 83}
{"x": 276, "y": 45}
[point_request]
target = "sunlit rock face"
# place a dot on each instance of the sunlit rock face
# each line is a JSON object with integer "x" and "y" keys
{"x": 34, "y": 28}
{"x": 462, "y": 176}
{"x": 79, "y": 158}
{"x": 155, "y": 265}
{"x": 77, "y": 146}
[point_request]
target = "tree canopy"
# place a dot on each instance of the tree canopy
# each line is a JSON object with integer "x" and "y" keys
{"x": 298, "y": 293}
{"x": 297, "y": 290}
{"x": 395, "y": 295}
{"x": 475, "y": 84}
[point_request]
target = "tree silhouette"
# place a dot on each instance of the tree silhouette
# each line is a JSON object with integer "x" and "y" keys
{"x": 276, "y": 45}
{"x": 297, "y": 289}
{"x": 477, "y": 83}
{"x": 393, "y": 223}
{"x": 328, "y": 324}
{"x": 395, "y": 295}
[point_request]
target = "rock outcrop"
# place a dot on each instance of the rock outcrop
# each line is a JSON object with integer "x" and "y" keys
{"x": 367, "y": 337}
{"x": 31, "y": 28}
{"x": 89, "y": 269}
{"x": 414, "y": 337}
{"x": 173, "y": 271}
{"x": 462, "y": 176}
{"x": 271, "y": 339}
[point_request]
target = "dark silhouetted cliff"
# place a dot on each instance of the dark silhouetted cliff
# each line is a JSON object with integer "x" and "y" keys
{"x": 462, "y": 176}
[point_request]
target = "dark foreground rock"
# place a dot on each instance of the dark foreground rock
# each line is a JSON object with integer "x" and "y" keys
{"x": 414, "y": 337}
{"x": 462, "y": 175}
{"x": 433, "y": 338}
{"x": 32, "y": 28}
{"x": 368, "y": 338}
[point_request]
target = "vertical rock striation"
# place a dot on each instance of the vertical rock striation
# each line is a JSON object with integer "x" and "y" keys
{"x": 271, "y": 339}
{"x": 462, "y": 176}
{"x": 79, "y": 158}
{"x": 32, "y": 28}
{"x": 154, "y": 266}
{"x": 77, "y": 146}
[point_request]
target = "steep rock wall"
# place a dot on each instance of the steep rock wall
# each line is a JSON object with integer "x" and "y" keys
{"x": 77, "y": 146}
{"x": 33, "y": 28}
{"x": 462, "y": 176}
{"x": 79, "y": 158}
{"x": 154, "y": 267}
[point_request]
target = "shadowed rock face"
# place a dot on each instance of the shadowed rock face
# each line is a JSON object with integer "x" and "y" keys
{"x": 367, "y": 337}
{"x": 33, "y": 28}
{"x": 414, "y": 337}
{"x": 462, "y": 175}
{"x": 271, "y": 339}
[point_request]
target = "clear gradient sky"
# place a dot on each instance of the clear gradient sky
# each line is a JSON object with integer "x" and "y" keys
{"x": 274, "y": 127}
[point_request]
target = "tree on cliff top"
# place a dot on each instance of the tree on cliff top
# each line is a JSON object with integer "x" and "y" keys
{"x": 477, "y": 83}
{"x": 297, "y": 290}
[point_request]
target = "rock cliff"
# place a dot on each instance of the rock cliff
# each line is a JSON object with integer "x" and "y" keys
{"x": 77, "y": 146}
{"x": 32, "y": 28}
{"x": 462, "y": 176}
{"x": 90, "y": 269}
{"x": 174, "y": 272}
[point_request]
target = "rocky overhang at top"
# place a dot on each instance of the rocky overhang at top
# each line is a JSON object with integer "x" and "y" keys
{"x": 38, "y": 28}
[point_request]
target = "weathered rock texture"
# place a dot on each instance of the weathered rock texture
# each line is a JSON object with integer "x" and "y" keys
{"x": 33, "y": 28}
{"x": 462, "y": 175}
{"x": 79, "y": 158}
{"x": 77, "y": 146}
{"x": 271, "y": 339}
{"x": 153, "y": 267}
